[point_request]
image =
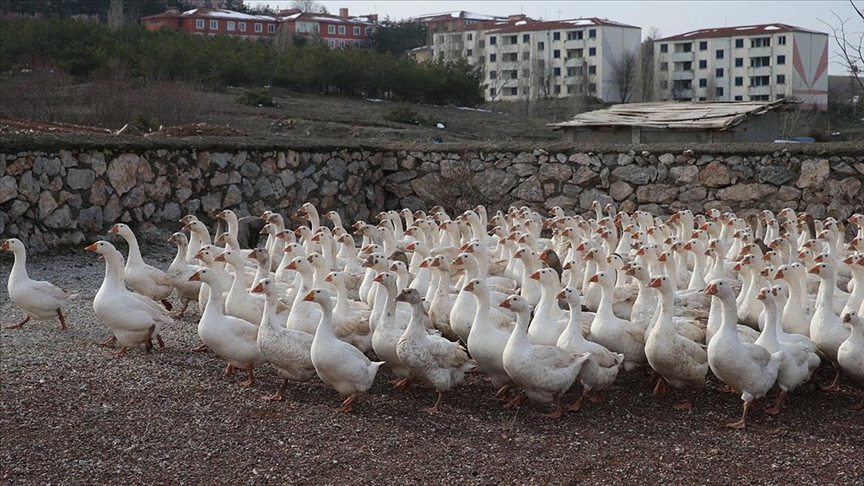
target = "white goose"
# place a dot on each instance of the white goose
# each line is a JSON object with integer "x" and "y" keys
{"x": 850, "y": 354}
{"x": 616, "y": 334}
{"x": 143, "y": 278}
{"x": 133, "y": 318}
{"x": 826, "y": 329}
{"x": 179, "y": 272}
{"x": 39, "y": 300}
{"x": 486, "y": 342}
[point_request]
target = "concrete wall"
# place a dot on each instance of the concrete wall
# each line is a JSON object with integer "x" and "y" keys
{"x": 57, "y": 190}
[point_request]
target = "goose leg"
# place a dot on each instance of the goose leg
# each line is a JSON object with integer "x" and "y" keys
{"x": 167, "y": 304}
{"x": 403, "y": 385}
{"x": 278, "y": 396}
{"x": 346, "y": 405}
{"x": 62, "y": 320}
{"x": 685, "y": 405}
{"x": 503, "y": 392}
{"x": 109, "y": 342}
{"x": 229, "y": 370}
{"x": 434, "y": 408}
{"x": 160, "y": 341}
{"x": 121, "y": 352}
{"x": 516, "y": 402}
{"x": 835, "y": 385}
{"x": 20, "y": 324}
{"x": 251, "y": 379}
{"x": 781, "y": 398}
{"x": 740, "y": 424}
{"x": 578, "y": 403}
{"x": 559, "y": 410}
{"x": 200, "y": 347}
{"x": 148, "y": 342}
{"x": 660, "y": 387}
{"x": 598, "y": 397}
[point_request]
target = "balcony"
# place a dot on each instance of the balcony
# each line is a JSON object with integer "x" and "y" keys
{"x": 759, "y": 90}
{"x": 759, "y": 51}
{"x": 574, "y": 44}
{"x": 682, "y": 56}
{"x": 759, "y": 71}
{"x": 677, "y": 75}
{"x": 507, "y": 48}
{"x": 574, "y": 62}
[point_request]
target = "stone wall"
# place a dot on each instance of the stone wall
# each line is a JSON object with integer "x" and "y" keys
{"x": 56, "y": 191}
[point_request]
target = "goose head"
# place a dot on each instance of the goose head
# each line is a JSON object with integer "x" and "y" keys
{"x": 516, "y": 303}
{"x": 722, "y": 288}
{"x": 411, "y": 296}
{"x": 265, "y": 286}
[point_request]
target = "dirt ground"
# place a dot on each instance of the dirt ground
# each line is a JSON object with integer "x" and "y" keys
{"x": 72, "y": 413}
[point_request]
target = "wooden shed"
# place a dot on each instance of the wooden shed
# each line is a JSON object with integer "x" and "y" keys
{"x": 680, "y": 122}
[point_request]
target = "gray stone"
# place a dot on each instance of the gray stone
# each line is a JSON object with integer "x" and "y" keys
{"x": 561, "y": 158}
{"x": 530, "y": 190}
{"x": 211, "y": 201}
{"x": 171, "y": 212}
{"x": 715, "y": 174}
{"x": 684, "y": 174}
{"x": 97, "y": 162}
{"x": 850, "y": 186}
{"x": 60, "y": 219}
{"x": 620, "y": 190}
{"x": 239, "y": 159}
{"x": 580, "y": 158}
{"x": 8, "y": 189}
{"x": 428, "y": 187}
{"x": 123, "y": 172}
{"x": 400, "y": 177}
{"x": 18, "y": 208}
{"x": 523, "y": 170}
{"x": 625, "y": 159}
{"x": 776, "y": 174}
{"x": 590, "y": 195}
{"x": 134, "y": 198}
{"x": 389, "y": 164}
{"x": 667, "y": 159}
{"x": 287, "y": 177}
{"x": 221, "y": 159}
{"x": 634, "y": 174}
{"x": 73, "y": 200}
{"x": 337, "y": 168}
{"x": 788, "y": 193}
{"x": 47, "y": 204}
{"x": 745, "y": 192}
{"x": 408, "y": 162}
{"x": 656, "y": 193}
{"x": 263, "y": 188}
{"x": 813, "y": 173}
{"x": 250, "y": 169}
{"x": 90, "y": 219}
{"x": 554, "y": 172}
{"x": 28, "y": 187}
{"x": 704, "y": 159}
{"x": 692, "y": 194}
{"x": 571, "y": 191}
{"x": 329, "y": 188}
{"x": 80, "y": 178}
{"x": 560, "y": 201}
{"x": 583, "y": 175}
{"x": 604, "y": 178}
{"x": 50, "y": 167}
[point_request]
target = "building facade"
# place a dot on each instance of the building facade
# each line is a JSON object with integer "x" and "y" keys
{"x": 749, "y": 63}
{"x": 524, "y": 59}
{"x": 336, "y": 31}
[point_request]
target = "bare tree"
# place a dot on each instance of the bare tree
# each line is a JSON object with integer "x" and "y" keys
{"x": 850, "y": 41}
{"x": 646, "y": 88}
{"x": 624, "y": 72}
{"x": 308, "y": 6}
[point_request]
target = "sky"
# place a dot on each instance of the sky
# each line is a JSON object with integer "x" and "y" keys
{"x": 671, "y": 17}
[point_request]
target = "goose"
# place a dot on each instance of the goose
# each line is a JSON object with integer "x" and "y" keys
{"x": 40, "y": 300}
{"x": 233, "y": 339}
{"x": 465, "y": 307}
{"x": 289, "y": 351}
{"x": 850, "y": 354}
{"x": 549, "y": 320}
{"x": 601, "y": 368}
{"x": 826, "y": 329}
{"x": 133, "y": 318}
{"x": 442, "y": 301}
{"x": 486, "y": 342}
{"x": 388, "y": 330}
{"x": 207, "y": 256}
{"x": 680, "y": 361}
{"x": 796, "y": 367}
{"x": 239, "y": 302}
{"x": 433, "y": 359}
{"x": 796, "y": 315}
{"x": 543, "y": 372}
{"x": 199, "y": 236}
{"x": 179, "y": 272}
{"x": 748, "y": 369}
{"x": 143, "y": 278}
{"x": 616, "y": 334}
{"x": 337, "y": 363}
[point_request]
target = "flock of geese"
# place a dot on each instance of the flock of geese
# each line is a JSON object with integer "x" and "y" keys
{"x": 536, "y": 303}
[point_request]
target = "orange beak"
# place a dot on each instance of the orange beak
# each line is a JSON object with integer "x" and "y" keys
{"x": 6, "y": 246}
{"x": 196, "y": 277}
{"x": 847, "y": 318}
{"x": 594, "y": 278}
{"x": 778, "y": 274}
{"x": 187, "y": 227}
{"x": 258, "y": 289}
{"x": 561, "y": 295}
{"x": 688, "y": 246}
{"x": 220, "y": 258}
{"x": 535, "y": 276}
{"x": 291, "y": 266}
{"x": 814, "y": 270}
{"x": 737, "y": 267}
{"x": 848, "y": 260}
{"x": 423, "y": 264}
{"x": 469, "y": 287}
{"x": 464, "y": 247}
{"x": 263, "y": 231}
{"x": 662, "y": 257}
{"x": 711, "y": 289}
{"x": 222, "y": 215}
{"x": 309, "y": 296}
{"x": 654, "y": 283}
{"x": 251, "y": 256}
{"x": 114, "y": 230}
{"x": 567, "y": 266}
{"x": 505, "y": 304}
{"x": 378, "y": 278}
{"x": 411, "y": 247}
{"x": 762, "y": 295}
{"x": 435, "y": 263}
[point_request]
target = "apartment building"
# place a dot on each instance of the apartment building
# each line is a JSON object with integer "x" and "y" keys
{"x": 337, "y": 31}
{"x": 748, "y": 63}
{"x": 524, "y": 59}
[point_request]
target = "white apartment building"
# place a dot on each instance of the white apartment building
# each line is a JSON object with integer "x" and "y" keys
{"x": 523, "y": 59}
{"x": 748, "y": 63}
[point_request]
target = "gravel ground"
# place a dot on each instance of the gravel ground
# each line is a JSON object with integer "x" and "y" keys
{"x": 72, "y": 413}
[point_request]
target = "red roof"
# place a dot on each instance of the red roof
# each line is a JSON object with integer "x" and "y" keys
{"x": 533, "y": 26}
{"x": 745, "y": 30}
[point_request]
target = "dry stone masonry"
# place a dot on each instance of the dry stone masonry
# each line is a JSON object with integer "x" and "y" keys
{"x": 52, "y": 197}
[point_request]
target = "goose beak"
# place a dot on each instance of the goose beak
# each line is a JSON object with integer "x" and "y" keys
{"x": 258, "y": 289}
{"x": 263, "y": 231}
{"x": 196, "y": 277}
{"x": 567, "y": 266}
{"x": 535, "y": 276}
{"x": 291, "y": 266}
{"x": 847, "y": 318}
{"x": 411, "y": 247}
{"x": 114, "y": 230}
{"x": 711, "y": 289}
{"x": 594, "y": 278}
{"x": 848, "y": 260}
{"x": 505, "y": 304}
{"x": 423, "y": 264}
{"x": 378, "y": 278}
{"x": 6, "y": 246}
{"x": 469, "y": 287}
{"x": 561, "y": 295}
{"x": 654, "y": 283}
{"x": 309, "y": 296}
{"x": 762, "y": 295}
{"x": 220, "y": 258}
{"x": 814, "y": 270}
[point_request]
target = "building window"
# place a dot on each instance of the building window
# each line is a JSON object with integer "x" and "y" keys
{"x": 470, "y": 37}
{"x": 526, "y": 73}
{"x": 469, "y": 52}
{"x": 718, "y": 91}
{"x": 781, "y": 40}
{"x": 739, "y": 98}
{"x": 664, "y": 66}
{"x": 357, "y": 31}
{"x": 271, "y": 28}
{"x": 512, "y": 91}
{"x": 760, "y": 42}
{"x": 756, "y": 62}
{"x": 526, "y": 55}
{"x": 781, "y": 59}
{"x": 592, "y": 33}
{"x": 556, "y": 71}
{"x": 556, "y": 35}
{"x": 703, "y": 45}
{"x": 739, "y": 62}
{"x": 557, "y": 89}
{"x": 357, "y": 44}
{"x": 739, "y": 43}
{"x": 492, "y": 41}
{"x": 214, "y": 25}
{"x": 331, "y": 29}
{"x": 760, "y": 80}
{"x": 739, "y": 81}
{"x": 368, "y": 31}
{"x": 341, "y": 30}
{"x": 556, "y": 54}
{"x": 526, "y": 38}
{"x": 342, "y": 44}
{"x": 719, "y": 54}
{"x": 491, "y": 92}
{"x": 718, "y": 73}
{"x": 592, "y": 69}
{"x": 259, "y": 27}
{"x": 575, "y": 35}
{"x": 229, "y": 26}
{"x": 703, "y": 64}
{"x": 242, "y": 26}
{"x": 592, "y": 51}
{"x": 492, "y": 57}
{"x": 493, "y": 75}
{"x": 703, "y": 82}
{"x": 575, "y": 53}
{"x": 592, "y": 88}
{"x": 332, "y": 44}
{"x": 701, "y": 98}
{"x": 199, "y": 24}
{"x": 781, "y": 79}
{"x": 664, "y": 47}
{"x": 541, "y": 46}
{"x": 514, "y": 74}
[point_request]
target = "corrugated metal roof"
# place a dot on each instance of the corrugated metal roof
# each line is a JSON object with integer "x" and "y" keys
{"x": 673, "y": 115}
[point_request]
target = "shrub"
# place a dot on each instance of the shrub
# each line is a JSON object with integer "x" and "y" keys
{"x": 255, "y": 97}
{"x": 403, "y": 114}
{"x": 144, "y": 122}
